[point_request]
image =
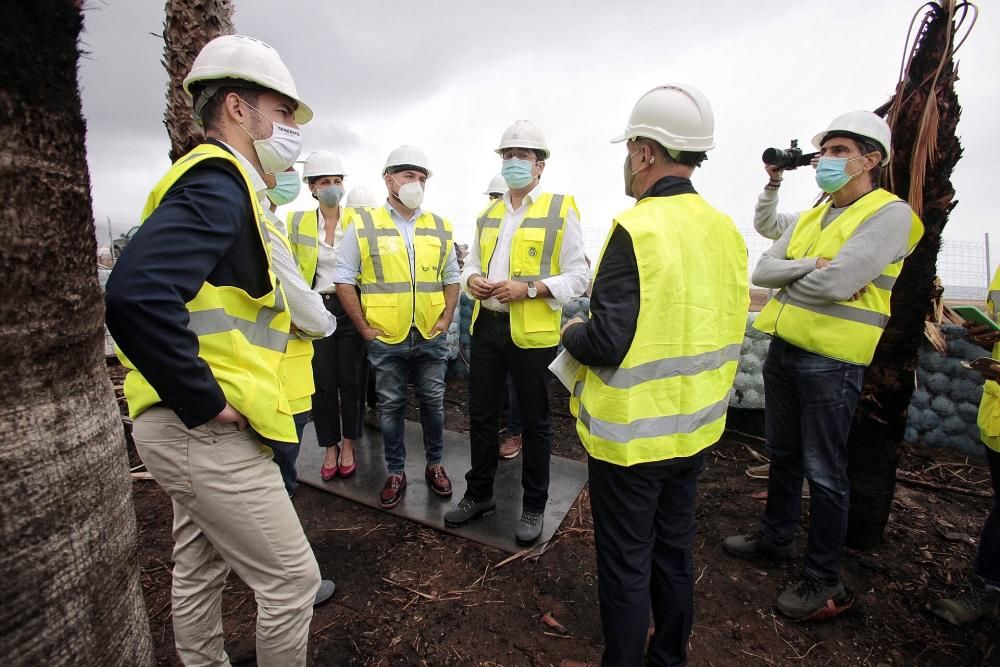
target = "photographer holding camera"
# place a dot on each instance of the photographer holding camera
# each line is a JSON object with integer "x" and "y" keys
{"x": 834, "y": 266}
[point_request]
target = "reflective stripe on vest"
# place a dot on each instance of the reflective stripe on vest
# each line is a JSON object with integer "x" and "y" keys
{"x": 246, "y": 365}
{"x": 392, "y": 299}
{"x": 303, "y": 236}
{"x": 533, "y": 324}
{"x": 668, "y": 398}
{"x": 847, "y": 330}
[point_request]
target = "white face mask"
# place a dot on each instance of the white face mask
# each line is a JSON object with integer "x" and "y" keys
{"x": 411, "y": 194}
{"x": 279, "y": 151}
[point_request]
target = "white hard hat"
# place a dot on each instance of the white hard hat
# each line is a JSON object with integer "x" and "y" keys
{"x": 674, "y": 115}
{"x": 247, "y": 59}
{"x": 361, "y": 197}
{"x": 861, "y": 124}
{"x": 497, "y": 186}
{"x": 407, "y": 156}
{"x": 322, "y": 163}
{"x": 523, "y": 134}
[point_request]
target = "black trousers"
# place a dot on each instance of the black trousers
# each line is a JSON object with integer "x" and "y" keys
{"x": 493, "y": 356}
{"x": 644, "y": 528}
{"x": 340, "y": 371}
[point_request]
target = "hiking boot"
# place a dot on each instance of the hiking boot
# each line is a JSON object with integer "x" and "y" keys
{"x": 758, "y": 546}
{"x": 763, "y": 471}
{"x": 325, "y": 592}
{"x": 468, "y": 509}
{"x": 812, "y": 599}
{"x": 510, "y": 446}
{"x": 976, "y": 600}
{"x": 529, "y": 527}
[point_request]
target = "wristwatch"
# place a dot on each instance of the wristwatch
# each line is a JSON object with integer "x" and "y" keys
{"x": 532, "y": 290}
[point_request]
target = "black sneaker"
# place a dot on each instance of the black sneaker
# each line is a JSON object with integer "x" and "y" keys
{"x": 758, "y": 546}
{"x": 811, "y": 599}
{"x": 977, "y": 600}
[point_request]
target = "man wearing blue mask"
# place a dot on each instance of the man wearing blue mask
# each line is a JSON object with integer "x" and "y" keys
{"x": 834, "y": 267}
{"x": 311, "y": 322}
{"x": 526, "y": 263}
{"x": 202, "y": 325}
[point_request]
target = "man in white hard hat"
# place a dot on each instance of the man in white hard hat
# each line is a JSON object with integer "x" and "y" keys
{"x": 361, "y": 197}
{"x": 339, "y": 369}
{"x": 526, "y": 262}
{"x": 403, "y": 260}
{"x": 202, "y": 325}
{"x": 496, "y": 188}
{"x": 834, "y": 267}
{"x": 659, "y": 356}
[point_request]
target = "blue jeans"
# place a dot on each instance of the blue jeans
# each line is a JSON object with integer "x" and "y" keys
{"x": 428, "y": 361}
{"x": 987, "y": 563}
{"x": 287, "y": 453}
{"x": 809, "y": 400}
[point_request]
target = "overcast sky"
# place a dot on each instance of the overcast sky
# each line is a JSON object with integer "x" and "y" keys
{"x": 449, "y": 76}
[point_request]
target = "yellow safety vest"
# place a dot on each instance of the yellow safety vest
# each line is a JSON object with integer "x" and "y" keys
{"x": 303, "y": 237}
{"x": 296, "y": 367}
{"x": 669, "y": 396}
{"x": 391, "y": 297}
{"x": 303, "y": 234}
{"x": 534, "y": 255}
{"x": 989, "y": 407}
{"x": 241, "y": 338}
{"x": 846, "y": 330}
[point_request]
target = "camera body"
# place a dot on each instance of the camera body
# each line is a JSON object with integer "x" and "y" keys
{"x": 789, "y": 158}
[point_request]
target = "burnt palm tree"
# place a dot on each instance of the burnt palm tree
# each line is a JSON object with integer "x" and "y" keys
{"x": 70, "y": 585}
{"x": 188, "y": 26}
{"x": 923, "y": 114}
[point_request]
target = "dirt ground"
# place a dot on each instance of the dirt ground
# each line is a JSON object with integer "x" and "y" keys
{"x": 409, "y": 595}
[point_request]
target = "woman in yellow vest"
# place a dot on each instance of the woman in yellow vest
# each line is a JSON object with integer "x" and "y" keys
{"x": 338, "y": 368}
{"x": 981, "y": 598}
{"x": 834, "y": 267}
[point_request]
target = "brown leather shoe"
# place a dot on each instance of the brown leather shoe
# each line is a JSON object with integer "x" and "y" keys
{"x": 510, "y": 446}
{"x": 438, "y": 480}
{"x": 392, "y": 492}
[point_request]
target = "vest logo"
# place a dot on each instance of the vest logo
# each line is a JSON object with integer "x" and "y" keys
{"x": 532, "y": 251}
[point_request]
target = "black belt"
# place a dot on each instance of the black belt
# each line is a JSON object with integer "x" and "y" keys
{"x": 496, "y": 314}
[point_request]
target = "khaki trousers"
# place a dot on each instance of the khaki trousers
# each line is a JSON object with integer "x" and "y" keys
{"x": 230, "y": 511}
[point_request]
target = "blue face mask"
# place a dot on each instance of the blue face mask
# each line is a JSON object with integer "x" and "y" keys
{"x": 830, "y": 174}
{"x": 286, "y": 188}
{"x": 517, "y": 173}
{"x": 331, "y": 196}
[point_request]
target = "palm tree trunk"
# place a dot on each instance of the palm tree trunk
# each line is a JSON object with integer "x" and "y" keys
{"x": 923, "y": 115}
{"x": 188, "y": 26}
{"x": 70, "y": 588}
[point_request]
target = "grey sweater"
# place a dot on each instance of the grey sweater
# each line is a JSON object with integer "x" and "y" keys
{"x": 876, "y": 243}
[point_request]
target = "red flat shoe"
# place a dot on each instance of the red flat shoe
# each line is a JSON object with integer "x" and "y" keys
{"x": 328, "y": 473}
{"x": 347, "y": 471}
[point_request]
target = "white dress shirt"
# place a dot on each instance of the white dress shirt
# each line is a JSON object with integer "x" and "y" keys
{"x": 326, "y": 261}
{"x": 305, "y": 307}
{"x": 574, "y": 272}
